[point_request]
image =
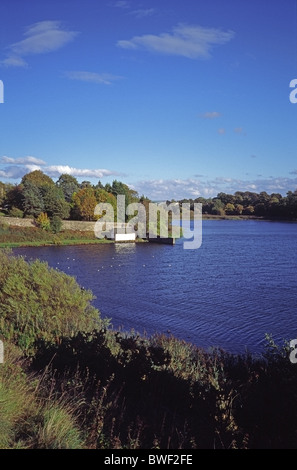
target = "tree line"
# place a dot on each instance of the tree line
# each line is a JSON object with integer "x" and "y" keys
{"x": 50, "y": 202}
{"x": 249, "y": 203}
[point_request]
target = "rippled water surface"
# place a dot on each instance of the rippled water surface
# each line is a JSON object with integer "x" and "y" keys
{"x": 240, "y": 284}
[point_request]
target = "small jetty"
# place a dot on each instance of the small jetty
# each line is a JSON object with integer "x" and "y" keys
{"x": 161, "y": 240}
{"x": 124, "y": 232}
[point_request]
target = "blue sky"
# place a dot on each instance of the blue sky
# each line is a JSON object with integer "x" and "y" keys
{"x": 177, "y": 98}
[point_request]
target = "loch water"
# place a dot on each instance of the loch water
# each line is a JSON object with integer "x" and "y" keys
{"x": 239, "y": 285}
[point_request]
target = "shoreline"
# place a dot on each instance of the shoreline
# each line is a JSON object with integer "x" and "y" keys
{"x": 62, "y": 243}
{"x": 85, "y": 237}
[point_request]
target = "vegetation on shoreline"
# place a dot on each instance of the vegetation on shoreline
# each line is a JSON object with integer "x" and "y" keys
{"x": 12, "y": 236}
{"x": 70, "y": 381}
{"x": 248, "y": 204}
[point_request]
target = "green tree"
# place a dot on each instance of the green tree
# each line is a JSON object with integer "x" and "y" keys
{"x": 226, "y": 198}
{"x": 56, "y": 224}
{"x": 85, "y": 184}
{"x": 14, "y": 198}
{"x": 260, "y": 209}
{"x": 33, "y": 201}
{"x": 3, "y": 191}
{"x": 119, "y": 188}
{"x": 217, "y": 207}
{"x": 291, "y": 204}
{"x": 99, "y": 185}
{"x": 69, "y": 186}
{"x": 54, "y": 202}
{"x": 249, "y": 210}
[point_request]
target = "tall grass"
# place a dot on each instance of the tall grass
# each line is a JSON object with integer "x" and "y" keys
{"x": 26, "y": 419}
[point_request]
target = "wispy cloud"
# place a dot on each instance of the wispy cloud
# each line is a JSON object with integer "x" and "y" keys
{"x": 39, "y": 38}
{"x": 210, "y": 115}
{"x": 14, "y": 62}
{"x": 22, "y": 161}
{"x": 128, "y": 8}
{"x": 221, "y": 131}
{"x": 193, "y": 42}
{"x": 142, "y": 12}
{"x": 122, "y": 4}
{"x": 91, "y": 77}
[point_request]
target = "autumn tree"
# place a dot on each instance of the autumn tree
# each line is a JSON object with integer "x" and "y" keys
{"x": 103, "y": 196}
{"x": 38, "y": 178}
{"x": 84, "y": 203}
{"x": 229, "y": 208}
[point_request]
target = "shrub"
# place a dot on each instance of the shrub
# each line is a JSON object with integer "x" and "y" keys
{"x": 37, "y": 302}
{"x": 43, "y": 221}
{"x": 56, "y": 224}
{"x": 15, "y": 212}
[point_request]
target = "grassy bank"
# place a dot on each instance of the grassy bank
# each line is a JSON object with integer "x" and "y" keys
{"x": 12, "y": 236}
{"x": 70, "y": 381}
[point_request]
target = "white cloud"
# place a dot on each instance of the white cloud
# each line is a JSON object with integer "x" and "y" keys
{"x": 91, "y": 77}
{"x": 22, "y": 161}
{"x": 13, "y": 172}
{"x": 193, "y": 42}
{"x": 222, "y": 131}
{"x": 211, "y": 115}
{"x": 18, "y": 167}
{"x": 161, "y": 190}
{"x": 41, "y": 37}
{"x": 57, "y": 170}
